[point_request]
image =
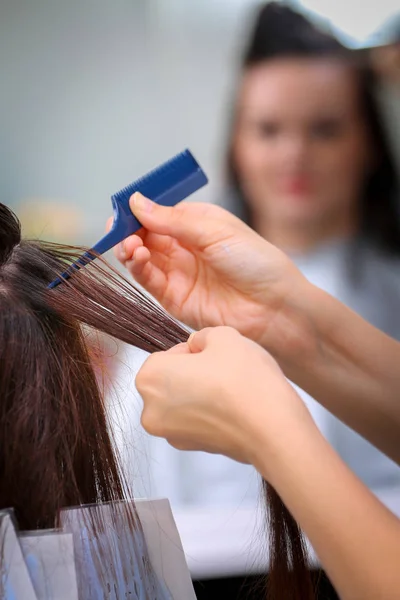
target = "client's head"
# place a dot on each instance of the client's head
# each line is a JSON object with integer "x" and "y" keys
{"x": 56, "y": 450}
{"x": 55, "y": 447}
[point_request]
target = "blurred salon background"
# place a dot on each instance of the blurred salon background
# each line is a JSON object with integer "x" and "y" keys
{"x": 293, "y": 111}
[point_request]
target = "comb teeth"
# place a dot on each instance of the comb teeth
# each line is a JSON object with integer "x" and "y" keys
{"x": 152, "y": 184}
{"x": 167, "y": 185}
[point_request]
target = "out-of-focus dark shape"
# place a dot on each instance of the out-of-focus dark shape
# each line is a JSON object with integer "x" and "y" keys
{"x": 382, "y": 51}
{"x": 386, "y": 62}
{"x": 281, "y": 31}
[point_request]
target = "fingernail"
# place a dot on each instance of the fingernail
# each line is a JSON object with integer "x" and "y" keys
{"x": 122, "y": 251}
{"x": 141, "y": 203}
{"x": 109, "y": 224}
{"x": 191, "y": 338}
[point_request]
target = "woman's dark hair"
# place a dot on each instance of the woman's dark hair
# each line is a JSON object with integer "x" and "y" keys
{"x": 56, "y": 449}
{"x": 280, "y": 32}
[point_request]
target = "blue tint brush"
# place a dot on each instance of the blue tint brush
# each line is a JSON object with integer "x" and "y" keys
{"x": 167, "y": 185}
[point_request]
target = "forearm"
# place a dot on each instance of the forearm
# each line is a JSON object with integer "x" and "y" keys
{"x": 350, "y": 367}
{"x": 355, "y": 537}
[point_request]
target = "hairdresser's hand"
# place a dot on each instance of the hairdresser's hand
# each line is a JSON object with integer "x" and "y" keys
{"x": 208, "y": 268}
{"x": 220, "y": 393}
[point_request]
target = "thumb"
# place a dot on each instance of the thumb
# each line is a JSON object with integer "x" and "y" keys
{"x": 212, "y": 337}
{"x": 182, "y": 348}
{"x": 187, "y": 222}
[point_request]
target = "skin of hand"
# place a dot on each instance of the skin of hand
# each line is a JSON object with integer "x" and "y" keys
{"x": 217, "y": 393}
{"x": 208, "y": 268}
{"x": 222, "y": 393}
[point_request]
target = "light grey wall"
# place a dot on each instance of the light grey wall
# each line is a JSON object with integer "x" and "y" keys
{"x": 96, "y": 92}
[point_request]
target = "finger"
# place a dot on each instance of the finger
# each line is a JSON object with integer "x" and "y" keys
{"x": 155, "y": 372}
{"x": 182, "y": 348}
{"x": 185, "y": 221}
{"x": 125, "y": 250}
{"x": 109, "y": 223}
{"x": 137, "y": 263}
{"x": 148, "y": 373}
{"x": 131, "y": 245}
{"x": 196, "y": 343}
{"x": 158, "y": 246}
{"x": 159, "y": 364}
{"x": 157, "y": 243}
{"x": 148, "y": 275}
{"x": 151, "y": 422}
{"x": 182, "y": 444}
{"x": 210, "y": 337}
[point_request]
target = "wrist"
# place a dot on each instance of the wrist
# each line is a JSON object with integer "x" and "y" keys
{"x": 291, "y": 335}
{"x": 277, "y": 428}
{"x": 287, "y": 451}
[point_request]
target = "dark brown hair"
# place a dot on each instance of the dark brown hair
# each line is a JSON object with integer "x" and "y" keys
{"x": 288, "y": 574}
{"x": 56, "y": 450}
{"x": 55, "y": 447}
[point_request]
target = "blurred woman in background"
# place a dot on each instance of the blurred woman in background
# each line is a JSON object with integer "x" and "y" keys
{"x": 311, "y": 171}
{"x": 309, "y": 168}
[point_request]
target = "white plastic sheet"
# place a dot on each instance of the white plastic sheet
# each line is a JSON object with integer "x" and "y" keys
{"x": 15, "y": 582}
{"x": 165, "y": 548}
{"x": 113, "y": 550}
{"x": 49, "y": 557}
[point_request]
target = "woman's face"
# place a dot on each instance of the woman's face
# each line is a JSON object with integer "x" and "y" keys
{"x": 300, "y": 145}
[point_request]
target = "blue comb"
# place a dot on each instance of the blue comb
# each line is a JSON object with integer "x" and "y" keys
{"x": 167, "y": 185}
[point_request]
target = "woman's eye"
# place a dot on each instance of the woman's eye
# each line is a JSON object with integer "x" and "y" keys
{"x": 267, "y": 129}
{"x": 326, "y": 129}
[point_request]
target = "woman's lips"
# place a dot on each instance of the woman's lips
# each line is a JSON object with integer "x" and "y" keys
{"x": 297, "y": 186}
